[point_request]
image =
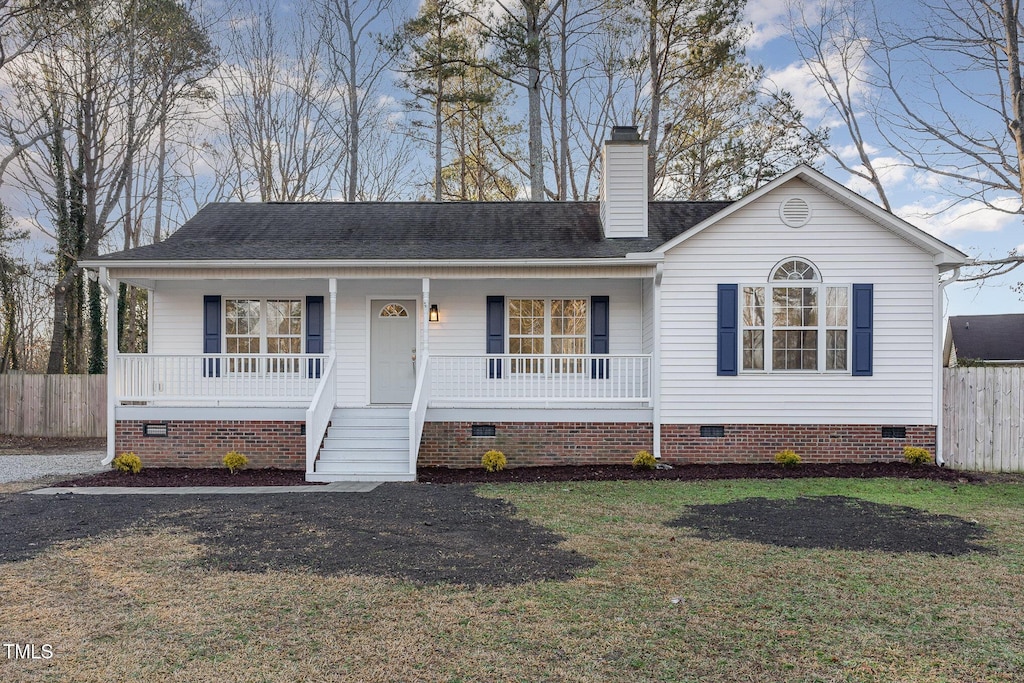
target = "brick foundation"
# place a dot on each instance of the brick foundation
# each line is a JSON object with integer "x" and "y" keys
{"x": 814, "y": 443}
{"x": 203, "y": 443}
{"x": 451, "y": 444}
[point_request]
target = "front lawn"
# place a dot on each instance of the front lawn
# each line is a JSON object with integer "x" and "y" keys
{"x": 654, "y": 602}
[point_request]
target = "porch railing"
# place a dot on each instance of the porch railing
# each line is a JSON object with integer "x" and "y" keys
{"x": 318, "y": 415}
{"x": 418, "y": 410}
{"x": 546, "y": 378}
{"x": 235, "y": 379}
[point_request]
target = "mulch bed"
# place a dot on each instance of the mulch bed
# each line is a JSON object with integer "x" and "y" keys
{"x": 211, "y": 476}
{"x": 834, "y": 523}
{"x": 902, "y": 470}
{"x": 426, "y": 534}
{"x": 198, "y": 476}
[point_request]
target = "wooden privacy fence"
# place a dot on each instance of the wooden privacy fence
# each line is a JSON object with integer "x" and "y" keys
{"x": 53, "y": 405}
{"x": 982, "y": 416}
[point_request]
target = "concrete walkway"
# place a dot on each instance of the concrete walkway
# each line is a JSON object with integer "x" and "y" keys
{"x": 336, "y": 487}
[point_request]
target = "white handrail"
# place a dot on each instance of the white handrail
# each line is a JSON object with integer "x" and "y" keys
{"x": 318, "y": 415}
{"x": 418, "y": 411}
{"x": 522, "y": 378}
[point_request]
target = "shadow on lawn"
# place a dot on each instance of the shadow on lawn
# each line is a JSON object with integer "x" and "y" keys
{"x": 834, "y": 523}
{"x": 422, "y": 533}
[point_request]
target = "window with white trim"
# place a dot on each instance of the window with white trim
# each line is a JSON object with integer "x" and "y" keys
{"x": 263, "y": 326}
{"x": 547, "y": 326}
{"x": 795, "y": 322}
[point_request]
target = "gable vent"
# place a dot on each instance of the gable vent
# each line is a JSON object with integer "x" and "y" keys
{"x": 795, "y": 212}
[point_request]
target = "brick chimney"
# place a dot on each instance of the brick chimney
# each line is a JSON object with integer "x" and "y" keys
{"x": 623, "y": 193}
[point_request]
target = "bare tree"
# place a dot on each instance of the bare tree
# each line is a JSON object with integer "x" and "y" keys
{"x": 684, "y": 40}
{"x": 352, "y": 31}
{"x": 517, "y": 30}
{"x": 279, "y": 112}
{"x": 834, "y": 41}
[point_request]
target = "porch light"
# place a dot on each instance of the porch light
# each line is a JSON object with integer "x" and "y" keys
{"x": 434, "y": 315}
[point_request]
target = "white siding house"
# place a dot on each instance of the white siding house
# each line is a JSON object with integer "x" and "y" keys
{"x": 361, "y": 341}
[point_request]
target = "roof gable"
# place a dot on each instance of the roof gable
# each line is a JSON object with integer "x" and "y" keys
{"x": 946, "y": 256}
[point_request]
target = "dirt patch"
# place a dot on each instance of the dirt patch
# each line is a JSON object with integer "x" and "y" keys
{"x": 834, "y": 523}
{"x": 198, "y": 476}
{"x": 42, "y": 445}
{"x": 426, "y": 534}
{"x": 441, "y": 475}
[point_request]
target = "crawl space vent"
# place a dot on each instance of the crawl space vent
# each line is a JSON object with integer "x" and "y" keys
{"x": 795, "y": 212}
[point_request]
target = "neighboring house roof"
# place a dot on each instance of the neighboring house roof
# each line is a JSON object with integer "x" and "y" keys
{"x": 409, "y": 230}
{"x": 994, "y": 338}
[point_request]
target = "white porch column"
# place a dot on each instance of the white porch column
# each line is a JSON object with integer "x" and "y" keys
{"x": 110, "y": 286}
{"x": 425, "y": 317}
{"x": 332, "y": 287}
{"x": 656, "y": 363}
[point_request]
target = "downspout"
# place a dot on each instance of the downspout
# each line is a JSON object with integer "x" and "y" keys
{"x": 110, "y": 288}
{"x": 939, "y": 408}
{"x": 656, "y": 362}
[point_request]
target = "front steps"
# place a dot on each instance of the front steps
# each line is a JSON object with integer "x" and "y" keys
{"x": 365, "y": 444}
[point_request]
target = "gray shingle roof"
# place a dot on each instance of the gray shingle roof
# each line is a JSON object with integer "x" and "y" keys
{"x": 411, "y": 230}
{"x": 988, "y": 337}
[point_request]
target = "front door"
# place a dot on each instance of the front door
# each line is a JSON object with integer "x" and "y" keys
{"x": 392, "y": 351}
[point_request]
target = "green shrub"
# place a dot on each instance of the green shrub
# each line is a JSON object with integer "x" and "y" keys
{"x": 644, "y": 461}
{"x": 788, "y": 458}
{"x": 917, "y": 456}
{"x": 128, "y": 463}
{"x": 235, "y": 461}
{"x": 494, "y": 461}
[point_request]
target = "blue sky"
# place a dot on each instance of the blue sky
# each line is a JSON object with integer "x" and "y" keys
{"x": 979, "y": 233}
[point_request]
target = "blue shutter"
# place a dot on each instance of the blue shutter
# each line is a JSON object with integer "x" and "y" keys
{"x": 495, "y": 333}
{"x": 862, "y": 346}
{"x": 599, "y": 337}
{"x": 728, "y": 332}
{"x": 314, "y": 333}
{"x": 211, "y": 334}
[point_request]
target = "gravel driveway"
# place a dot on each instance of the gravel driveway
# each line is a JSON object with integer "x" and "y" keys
{"x": 24, "y": 467}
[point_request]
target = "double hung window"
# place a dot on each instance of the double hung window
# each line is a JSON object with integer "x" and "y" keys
{"x": 795, "y": 322}
{"x": 547, "y": 327}
{"x": 263, "y": 326}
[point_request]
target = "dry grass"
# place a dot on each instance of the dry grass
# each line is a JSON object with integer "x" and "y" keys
{"x": 138, "y": 607}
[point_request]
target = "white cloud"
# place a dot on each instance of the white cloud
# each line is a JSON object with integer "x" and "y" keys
{"x": 941, "y": 218}
{"x": 798, "y": 80}
{"x": 768, "y": 19}
{"x": 891, "y": 171}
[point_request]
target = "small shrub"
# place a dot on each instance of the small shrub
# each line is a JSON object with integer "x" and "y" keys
{"x": 235, "y": 461}
{"x": 917, "y": 456}
{"x": 788, "y": 458}
{"x": 494, "y": 461}
{"x": 128, "y": 463}
{"x": 644, "y": 461}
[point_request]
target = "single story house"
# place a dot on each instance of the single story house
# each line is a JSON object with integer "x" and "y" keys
{"x": 988, "y": 339}
{"x": 361, "y": 340}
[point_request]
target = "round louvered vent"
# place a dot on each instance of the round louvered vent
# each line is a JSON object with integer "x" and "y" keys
{"x": 795, "y": 212}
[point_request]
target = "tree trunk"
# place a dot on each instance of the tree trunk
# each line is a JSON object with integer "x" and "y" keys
{"x": 536, "y": 139}
{"x": 438, "y": 101}
{"x": 654, "y": 56}
{"x": 353, "y": 114}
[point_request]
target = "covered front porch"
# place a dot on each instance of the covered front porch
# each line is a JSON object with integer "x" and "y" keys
{"x": 355, "y": 366}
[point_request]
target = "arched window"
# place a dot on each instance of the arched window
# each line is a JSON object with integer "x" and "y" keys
{"x": 394, "y": 311}
{"x": 795, "y": 269}
{"x": 795, "y": 322}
